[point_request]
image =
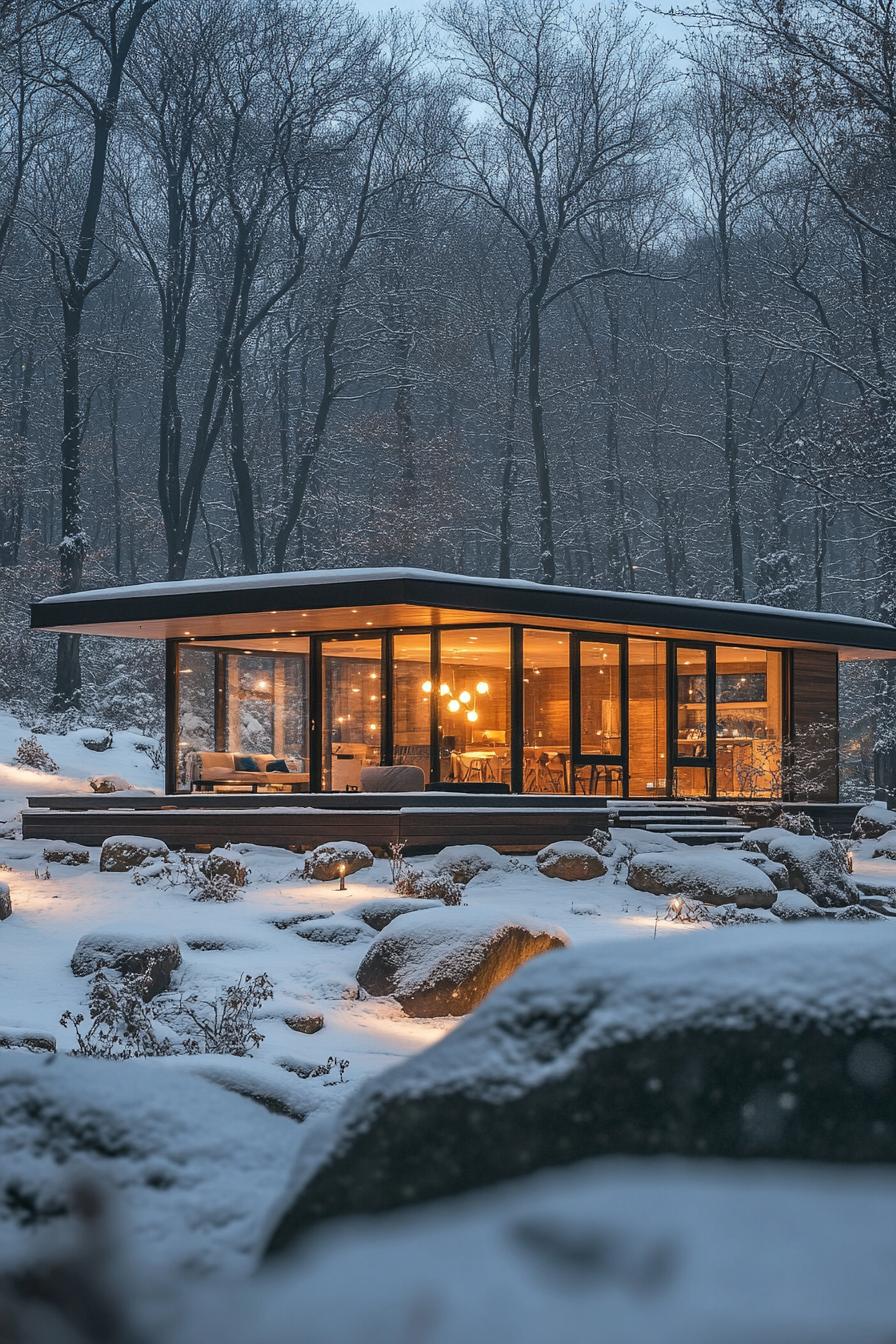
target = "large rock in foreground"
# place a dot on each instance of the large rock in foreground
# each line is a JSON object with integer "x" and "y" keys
{"x": 442, "y": 963}
{"x": 129, "y": 954}
{"x": 812, "y": 864}
{"x": 714, "y": 879}
{"x": 773, "y": 1042}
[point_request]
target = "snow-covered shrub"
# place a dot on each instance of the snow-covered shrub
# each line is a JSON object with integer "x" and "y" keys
{"x": 124, "y": 1024}
{"x": 429, "y": 887}
{"x": 30, "y": 753}
{"x": 154, "y": 749}
{"x": 600, "y": 841}
{"x": 206, "y": 883}
{"x": 798, "y": 823}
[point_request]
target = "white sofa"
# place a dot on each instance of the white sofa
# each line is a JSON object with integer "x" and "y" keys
{"x": 206, "y": 769}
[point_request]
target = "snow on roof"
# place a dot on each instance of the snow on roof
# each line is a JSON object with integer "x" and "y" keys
{"x": 317, "y": 577}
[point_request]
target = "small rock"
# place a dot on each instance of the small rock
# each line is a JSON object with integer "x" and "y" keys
{"x": 886, "y": 846}
{"x": 342, "y": 932}
{"x": 796, "y": 905}
{"x": 110, "y": 784}
{"x": 5, "y": 901}
{"x": 38, "y": 1042}
{"x": 223, "y": 863}
{"x": 95, "y": 739}
{"x": 571, "y": 861}
{"x": 873, "y": 821}
{"x": 290, "y": 921}
{"x": 464, "y": 862}
{"x": 858, "y": 911}
{"x": 327, "y": 862}
{"x": 776, "y": 871}
{"x": 378, "y": 913}
{"x": 66, "y": 852}
{"x": 129, "y": 954}
{"x": 307, "y": 1023}
{"x": 121, "y": 853}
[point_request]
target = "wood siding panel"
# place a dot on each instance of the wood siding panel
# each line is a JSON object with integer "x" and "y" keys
{"x": 814, "y": 728}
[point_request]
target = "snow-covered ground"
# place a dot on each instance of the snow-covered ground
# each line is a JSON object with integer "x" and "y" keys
{"x": 222, "y": 1151}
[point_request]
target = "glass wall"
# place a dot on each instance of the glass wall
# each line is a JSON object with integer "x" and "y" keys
{"x": 245, "y": 706}
{"x": 749, "y": 723}
{"x": 352, "y": 710}
{"x": 243, "y": 700}
{"x": 412, "y": 690}
{"x": 546, "y": 748}
{"x": 647, "y": 719}
{"x": 474, "y": 706}
{"x": 195, "y": 708}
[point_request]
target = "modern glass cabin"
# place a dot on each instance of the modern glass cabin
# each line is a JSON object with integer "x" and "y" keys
{"x": 303, "y": 681}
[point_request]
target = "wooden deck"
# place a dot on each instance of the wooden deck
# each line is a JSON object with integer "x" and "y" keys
{"x": 420, "y": 821}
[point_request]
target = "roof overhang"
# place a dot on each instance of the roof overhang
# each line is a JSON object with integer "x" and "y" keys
{"x": 394, "y": 598}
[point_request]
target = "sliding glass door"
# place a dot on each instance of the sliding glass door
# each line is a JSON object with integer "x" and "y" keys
{"x": 693, "y": 720}
{"x": 599, "y": 728}
{"x": 352, "y": 710}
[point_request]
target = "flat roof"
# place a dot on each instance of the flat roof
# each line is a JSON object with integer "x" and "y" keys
{"x": 422, "y": 596}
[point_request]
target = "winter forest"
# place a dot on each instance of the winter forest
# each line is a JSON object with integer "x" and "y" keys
{"x": 514, "y": 287}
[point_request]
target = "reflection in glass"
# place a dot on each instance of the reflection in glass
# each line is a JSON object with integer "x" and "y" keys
{"x": 412, "y": 696}
{"x": 474, "y": 706}
{"x": 352, "y": 711}
{"x": 546, "y": 766}
{"x": 195, "y": 707}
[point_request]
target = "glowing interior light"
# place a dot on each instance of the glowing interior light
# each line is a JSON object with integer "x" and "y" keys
{"x": 482, "y": 688}
{"x": 465, "y": 697}
{"x": 373, "y": 727}
{"x": 444, "y": 689}
{"x": 472, "y": 716}
{"x": 453, "y": 706}
{"x": 426, "y": 688}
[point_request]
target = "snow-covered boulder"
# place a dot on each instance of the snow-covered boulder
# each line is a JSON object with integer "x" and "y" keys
{"x": 464, "y": 862}
{"x": 813, "y": 865}
{"x": 224, "y": 865}
{"x": 308, "y": 1022}
{"x": 110, "y": 784}
{"x": 713, "y": 878}
{"x": 121, "y": 853}
{"x": 191, "y": 1167}
{"x": 94, "y": 739}
{"x": 622, "y": 1250}
{"x": 5, "y": 901}
{"x": 66, "y": 852}
{"x": 776, "y": 871}
{"x": 379, "y": 912}
{"x": 341, "y": 932}
{"x": 442, "y": 963}
{"x": 331, "y": 860}
{"x": 129, "y": 954}
{"x": 886, "y": 846}
{"x": 17, "y": 1038}
{"x": 796, "y": 905}
{"x": 571, "y": 861}
{"x": 777, "y": 1042}
{"x": 873, "y": 821}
